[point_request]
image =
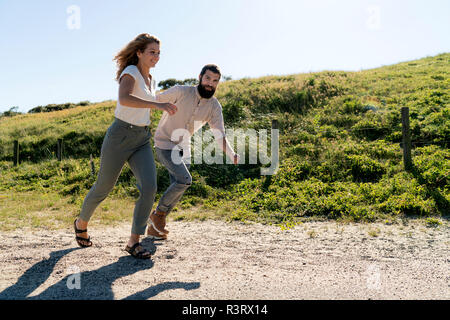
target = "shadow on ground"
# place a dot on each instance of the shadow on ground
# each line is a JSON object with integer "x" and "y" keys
{"x": 96, "y": 284}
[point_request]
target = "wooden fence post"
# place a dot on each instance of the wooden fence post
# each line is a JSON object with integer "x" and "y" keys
{"x": 407, "y": 160}
{"x": 59, "y": 149}
{"x": 16, "y": 153}
{"x": 274, "y": 124}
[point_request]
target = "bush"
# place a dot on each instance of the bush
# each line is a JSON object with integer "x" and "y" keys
{"x": 233, "y": 112}
{"x": 292, "y": 170}
{"x": 57, "y": 107}
{"x": 10, "y": 113}
{"x": 433, "y": 165}
{"x": 370, "y": 129}
{"x": 365, "y": 169}
{"x": 408, "y": 204}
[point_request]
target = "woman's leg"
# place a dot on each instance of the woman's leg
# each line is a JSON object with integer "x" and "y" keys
{"x": 112, "y": 159}
{"x": 142, "y": 164}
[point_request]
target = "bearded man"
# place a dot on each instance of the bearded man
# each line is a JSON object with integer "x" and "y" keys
{"x": 196, "y": 106}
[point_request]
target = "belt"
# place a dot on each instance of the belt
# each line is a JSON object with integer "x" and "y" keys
{"x": 131, "y": 126}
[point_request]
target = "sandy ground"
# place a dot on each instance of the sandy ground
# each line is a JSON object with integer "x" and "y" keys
{"x": 219, "y": 260}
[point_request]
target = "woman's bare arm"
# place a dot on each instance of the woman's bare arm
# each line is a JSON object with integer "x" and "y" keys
{"x": 127, "y": 99}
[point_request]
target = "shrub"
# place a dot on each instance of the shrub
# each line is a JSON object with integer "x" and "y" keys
{"x": 233, "y": 112}
{"x": 370, "y": 129}
{"x": 409, "y": 204}
{"x": 433, "y": 165}
{"x": 365, "y": 169}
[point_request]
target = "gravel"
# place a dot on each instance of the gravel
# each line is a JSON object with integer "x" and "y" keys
{"x": 219, "y": 260}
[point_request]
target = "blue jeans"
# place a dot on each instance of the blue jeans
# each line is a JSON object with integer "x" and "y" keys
{"x": 180, "y": 179}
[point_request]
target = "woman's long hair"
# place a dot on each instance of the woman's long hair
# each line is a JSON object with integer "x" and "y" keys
{"x": 127, "y": 56}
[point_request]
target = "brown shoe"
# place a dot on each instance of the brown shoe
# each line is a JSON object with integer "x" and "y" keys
{"x": 158, "y": 221}
{"x": 155, "y": 235}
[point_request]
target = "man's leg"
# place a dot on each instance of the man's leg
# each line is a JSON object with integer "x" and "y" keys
{"x": 178, "y": 196}
{"x": 180, "y": 178}
{"x": 182, "y": 181}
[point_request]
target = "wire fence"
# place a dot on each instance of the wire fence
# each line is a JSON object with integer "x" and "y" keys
{"x": 405, "y": 144}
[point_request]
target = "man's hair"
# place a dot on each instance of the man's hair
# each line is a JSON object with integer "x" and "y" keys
{"x": 211, "y": 67}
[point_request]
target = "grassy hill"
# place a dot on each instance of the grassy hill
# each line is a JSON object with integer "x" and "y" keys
{"x": 340, "y": 152}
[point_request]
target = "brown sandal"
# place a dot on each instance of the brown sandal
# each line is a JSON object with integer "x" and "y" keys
{"x": 142, "y": 254}
{"x": 80, "y": 240}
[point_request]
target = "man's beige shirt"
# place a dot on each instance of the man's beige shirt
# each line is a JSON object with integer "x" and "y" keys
{"x": 193, "y": 112}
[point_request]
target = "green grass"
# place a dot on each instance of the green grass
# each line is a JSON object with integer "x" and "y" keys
{"x": 52, "y": 211}
{"x": 340, "y": 155}
{"x": 433, "y": 222}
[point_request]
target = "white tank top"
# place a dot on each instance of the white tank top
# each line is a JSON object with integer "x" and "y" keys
{"x": 136, "y": 116}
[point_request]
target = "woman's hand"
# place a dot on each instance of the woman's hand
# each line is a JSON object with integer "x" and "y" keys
{"x": 171, "y": 109}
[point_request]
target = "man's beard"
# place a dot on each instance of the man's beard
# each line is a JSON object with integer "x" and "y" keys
{"x": 205, "y": 93}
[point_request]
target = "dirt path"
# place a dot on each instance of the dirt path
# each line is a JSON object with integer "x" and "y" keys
{"x": 218, "y": 260}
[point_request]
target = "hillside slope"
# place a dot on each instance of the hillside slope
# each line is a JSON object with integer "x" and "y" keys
{"x": 340, "y": 147}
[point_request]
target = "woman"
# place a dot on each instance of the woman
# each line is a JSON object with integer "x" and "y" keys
{"x": 128, "y": 139}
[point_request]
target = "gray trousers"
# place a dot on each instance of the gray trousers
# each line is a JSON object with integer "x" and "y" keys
{"x": 125, "y": 143}
{"x": 180, "y": 178}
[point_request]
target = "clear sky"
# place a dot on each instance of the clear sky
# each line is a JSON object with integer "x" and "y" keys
{"x": 61, "y": 51}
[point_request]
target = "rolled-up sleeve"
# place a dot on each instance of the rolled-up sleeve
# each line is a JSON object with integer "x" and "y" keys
{"x": 170, "y": 95}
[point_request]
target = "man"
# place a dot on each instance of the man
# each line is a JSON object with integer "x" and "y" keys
{"x": 196, "y": 106}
